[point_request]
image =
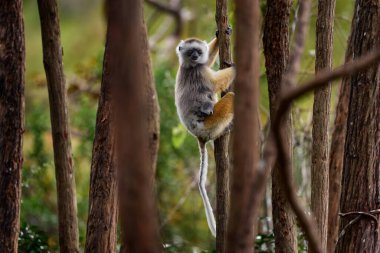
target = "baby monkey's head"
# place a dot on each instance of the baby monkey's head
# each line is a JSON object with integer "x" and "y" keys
{"x": 192, "y": 52}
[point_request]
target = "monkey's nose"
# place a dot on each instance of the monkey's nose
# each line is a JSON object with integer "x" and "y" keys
{"x": 194, "y": 57}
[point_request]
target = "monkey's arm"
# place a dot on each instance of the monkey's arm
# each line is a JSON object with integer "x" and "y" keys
{"x": 213, "y": 50}
{"x": 222, "y": 79}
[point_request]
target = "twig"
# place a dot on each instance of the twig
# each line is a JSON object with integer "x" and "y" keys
{"x": 173, "y": 10}
{"x": 299, "y": 42}
{"x": 180, "y": 202}
{"x": 327, "y": 76}
{"x": 346, "y": 227}
{"x": 369, "y": 214}
{"x": 285, "y": 102}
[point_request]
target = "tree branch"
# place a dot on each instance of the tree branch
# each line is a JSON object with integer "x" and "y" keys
{"x": 173, "y": 10}
{"x": 321, "y": 80}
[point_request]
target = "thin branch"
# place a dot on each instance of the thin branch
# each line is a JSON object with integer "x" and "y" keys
{"x": 173, "y": 9}
{"x": 180, "y": 202}
{"x": 163, "y": 7}
{"x": 283, "y": 158}
{"x": 352, "y": 222}
{"x": 326, "y": 76}
{"x": 299, "y": 42}
{"x": 369, "y": 214}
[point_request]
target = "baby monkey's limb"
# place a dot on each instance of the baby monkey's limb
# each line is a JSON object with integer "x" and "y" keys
{"x": 221, "y": 117}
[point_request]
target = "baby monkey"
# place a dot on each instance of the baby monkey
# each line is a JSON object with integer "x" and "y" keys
{"x": 197, "y": 105}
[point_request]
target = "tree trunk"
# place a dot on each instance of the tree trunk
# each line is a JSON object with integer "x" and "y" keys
{"x": 245, "y": 201}
{"x": 321, "y": 114}
{"x": 336, "y": 156}
{"x": 137, "y": 211}
{"x": 65, "y": 179}
{"x": 153, "y": 115}
{"x": 101, "y": 234}
{"x": 361, "y": 170}
{"x": 276, "y": 50}
{"x": 12, "y": 67}
{"x": 221, "y": 145}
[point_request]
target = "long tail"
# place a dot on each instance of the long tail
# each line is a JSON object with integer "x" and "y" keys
{"x": 202, "y": 187}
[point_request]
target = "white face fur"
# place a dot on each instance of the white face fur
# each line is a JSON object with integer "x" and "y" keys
{"x": 192, "y": 52}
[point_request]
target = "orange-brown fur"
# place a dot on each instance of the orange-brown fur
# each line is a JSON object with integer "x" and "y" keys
{"x": 223, "y": 112}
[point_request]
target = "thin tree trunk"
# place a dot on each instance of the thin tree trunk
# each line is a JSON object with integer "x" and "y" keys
{"x": 245, "y": 200}
{"x": 12, "y": 67}
{"x": 276, "y": 50}
{"x": 361, "y": 170}
{"x": 336, "y": 157}
{"x": 221, "y": 145}
{"x": 153, "y": 115}
{"x": 65, "y": 179}
{"x": 137, "y": 211}
{"x": 321, "y": 114}
{"x": 102, "y": 213}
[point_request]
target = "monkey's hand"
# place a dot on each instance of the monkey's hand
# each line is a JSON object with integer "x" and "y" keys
{"x": 228, "y": 31}
{"x": 205, "y": 110}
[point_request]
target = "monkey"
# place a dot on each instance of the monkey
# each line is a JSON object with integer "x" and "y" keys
{"x": 198, "y": 108}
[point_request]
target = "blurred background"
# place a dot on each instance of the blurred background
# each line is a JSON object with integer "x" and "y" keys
{"x": 183, "y": 223}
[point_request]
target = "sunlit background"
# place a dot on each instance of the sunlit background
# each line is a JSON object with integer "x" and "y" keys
{"x": 183, "y": 223}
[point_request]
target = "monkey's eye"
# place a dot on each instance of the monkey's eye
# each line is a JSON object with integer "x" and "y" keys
{"x": 199, "y": 51}
{"x": 189, "y": 52}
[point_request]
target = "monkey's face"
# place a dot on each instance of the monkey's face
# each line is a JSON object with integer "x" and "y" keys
{"x": 192, "y": 52}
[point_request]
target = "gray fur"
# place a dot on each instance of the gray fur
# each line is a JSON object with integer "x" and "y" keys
{"x": 195, "y": 100}
{"x": 194, "y": 93}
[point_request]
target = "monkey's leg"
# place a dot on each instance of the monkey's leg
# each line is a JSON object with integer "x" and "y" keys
{"x": 222, "y": 116}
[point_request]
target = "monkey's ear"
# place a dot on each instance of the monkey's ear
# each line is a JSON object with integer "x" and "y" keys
{"x": 179, "y": 47}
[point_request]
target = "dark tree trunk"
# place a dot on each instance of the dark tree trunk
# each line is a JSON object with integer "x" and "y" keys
{"x": 12, "y": 67}
{"x": 338, "y": 139}
{"x": 321, "y": 114}
{"x": 137, "y": 211}
{"x": 65, "y": 179}
{"x": 102, "y": 221}
{"x": 101, "y": 234}
{"x": 221, "y": 145}
{"x": 361, "y": 170}
{"x": 276, "y": 50}
{"x": 245, "y": 201}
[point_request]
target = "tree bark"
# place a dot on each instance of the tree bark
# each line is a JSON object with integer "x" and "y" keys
{"x": 276, "y": 50}
{"x": 65, "y": 179}
{"x": 150, "y": 93}
{"x": 336, "y": 155}
{"x": 12, "y": 68}
{"x": 137, "y": 211}
{"x": 245, "y": 201}
{"x": 321, "y": 114}
{"x": 361, "y": 170}
{"x": 221, "y": 145}
{"x": 101, "y": 234}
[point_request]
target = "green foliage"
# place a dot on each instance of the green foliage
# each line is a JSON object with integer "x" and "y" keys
{"x": 83, "y": 119}
{"x": 32, "y": 240}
